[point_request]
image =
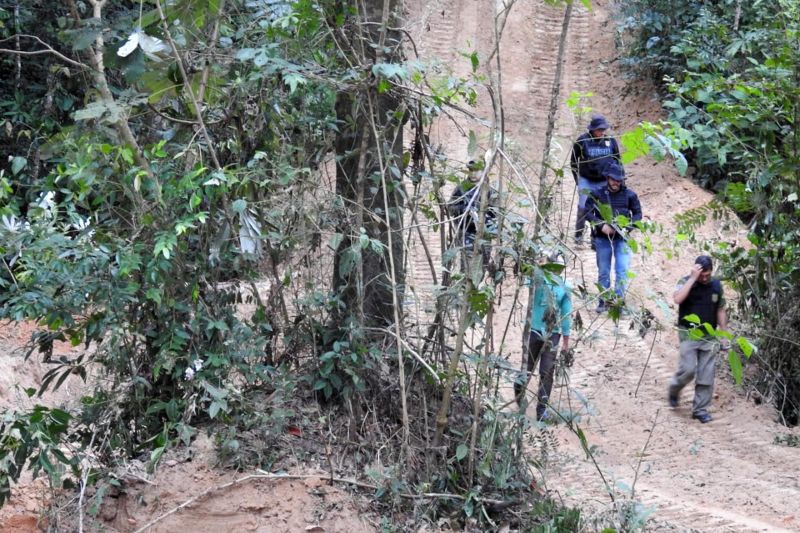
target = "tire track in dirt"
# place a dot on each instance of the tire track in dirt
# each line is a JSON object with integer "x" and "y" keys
{"x": 529, "y": 48}
{"x": 685, "y": 475}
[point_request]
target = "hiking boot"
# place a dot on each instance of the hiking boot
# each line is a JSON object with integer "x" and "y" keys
{"x": 543, "y": 416}
{"x": 673, "y": 400}
{"x": 601, "y": 307}
{"x": 704, "y": 418}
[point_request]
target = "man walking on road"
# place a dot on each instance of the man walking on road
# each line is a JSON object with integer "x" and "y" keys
{"x": 591, "y": 151}
{"x": 550, "y": 323}
{"x": 610, "y": 235}
{"x": 701, "y": 295}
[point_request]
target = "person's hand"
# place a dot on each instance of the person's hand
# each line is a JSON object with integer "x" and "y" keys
{"x": 696, "y": 271}
{"x": 607, "y": 230}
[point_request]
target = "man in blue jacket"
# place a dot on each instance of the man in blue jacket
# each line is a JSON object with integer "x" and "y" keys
{"x": 591, "y": 151}
{"x": 550, "y": 323}
{"x": 610, "y": 235}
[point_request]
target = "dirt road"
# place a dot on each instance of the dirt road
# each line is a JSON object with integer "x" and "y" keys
{"x": 724, "y": 476}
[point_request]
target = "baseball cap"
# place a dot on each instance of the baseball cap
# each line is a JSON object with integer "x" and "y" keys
{"x": 705, "y": 262}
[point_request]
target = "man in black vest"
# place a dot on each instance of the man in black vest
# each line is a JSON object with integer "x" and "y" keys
{"x": 590, "y": 153}
{"x": 701, "y": 295}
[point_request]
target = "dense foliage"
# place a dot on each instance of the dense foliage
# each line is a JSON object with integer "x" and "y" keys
{"x": 730, "y": 73}
{"x": 212, "y": 200}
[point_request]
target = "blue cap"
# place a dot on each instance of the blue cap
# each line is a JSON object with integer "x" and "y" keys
{"x": 612, "y": 169}
{"x": 598, "y": 122}
{"x": 705, "y": 262}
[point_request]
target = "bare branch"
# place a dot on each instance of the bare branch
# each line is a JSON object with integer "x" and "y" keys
{"x": 48, "y": 50}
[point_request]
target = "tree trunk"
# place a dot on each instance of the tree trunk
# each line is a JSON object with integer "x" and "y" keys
{"x": 362, "y": 273}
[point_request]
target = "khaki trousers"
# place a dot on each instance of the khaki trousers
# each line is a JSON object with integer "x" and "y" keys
{"x": 697, "y": 361}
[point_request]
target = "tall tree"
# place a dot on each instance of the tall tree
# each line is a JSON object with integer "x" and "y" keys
{"x": 368, "y": 269}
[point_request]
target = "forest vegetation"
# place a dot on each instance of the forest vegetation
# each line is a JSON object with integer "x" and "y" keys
{"x": 216, "y": 200}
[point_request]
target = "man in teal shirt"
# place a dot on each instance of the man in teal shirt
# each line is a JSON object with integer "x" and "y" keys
{"x": 550, "y": 324}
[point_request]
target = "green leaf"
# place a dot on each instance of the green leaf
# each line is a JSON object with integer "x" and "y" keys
{"x": 165, "y": 244}
{"x": 736, "y": 366}
{"x": 293, "y": 80}
{"x": 389, "y": 70}
{"x": 696, "y": 334}
{"x": 693, "y": 318}
{"x": 606, "y": 213}
{"x": 153, "y": 294}
{"x": 17, "y": 164}
{"x": 239, "y": 205}
{"x": 681, "y": 164}
{"x": 363, "y": 240}
{"x": 473, "y": 59}
{"x": 86, "y": 37}
{"x": 384, "y": 86}
{"x": 336, "y": 240}
{"x": 246, "y": 54}
{"x": 461, "y": 451}
{"x": 635, "y": 145}
{"x": 745, "y": 346}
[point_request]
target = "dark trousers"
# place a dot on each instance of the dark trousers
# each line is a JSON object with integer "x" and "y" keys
{"x": 543, "y": 351}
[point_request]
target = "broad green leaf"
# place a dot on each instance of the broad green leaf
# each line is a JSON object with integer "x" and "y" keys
{"x": 389, "y": 70}
{"x": 153, "y": 294}
{"x": 635, "y": 145}
{"x": 695, "y": 334}
{"x": 246, "y": 54}
{"x": 606, "y": 213}
{"x": 736, "y": 366}
{"x": 461, "y": 451}
{"x": 363, "y": 241}
{"x": 17, "y": 164}
{"x": 681, "y": 164}
{"x": 336, "y": 240}
{"x": 693, "y": 319}
{"x": 745, "y": 346}
{"x": 239, "y": 205}
{"x": 293, "y": 80}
